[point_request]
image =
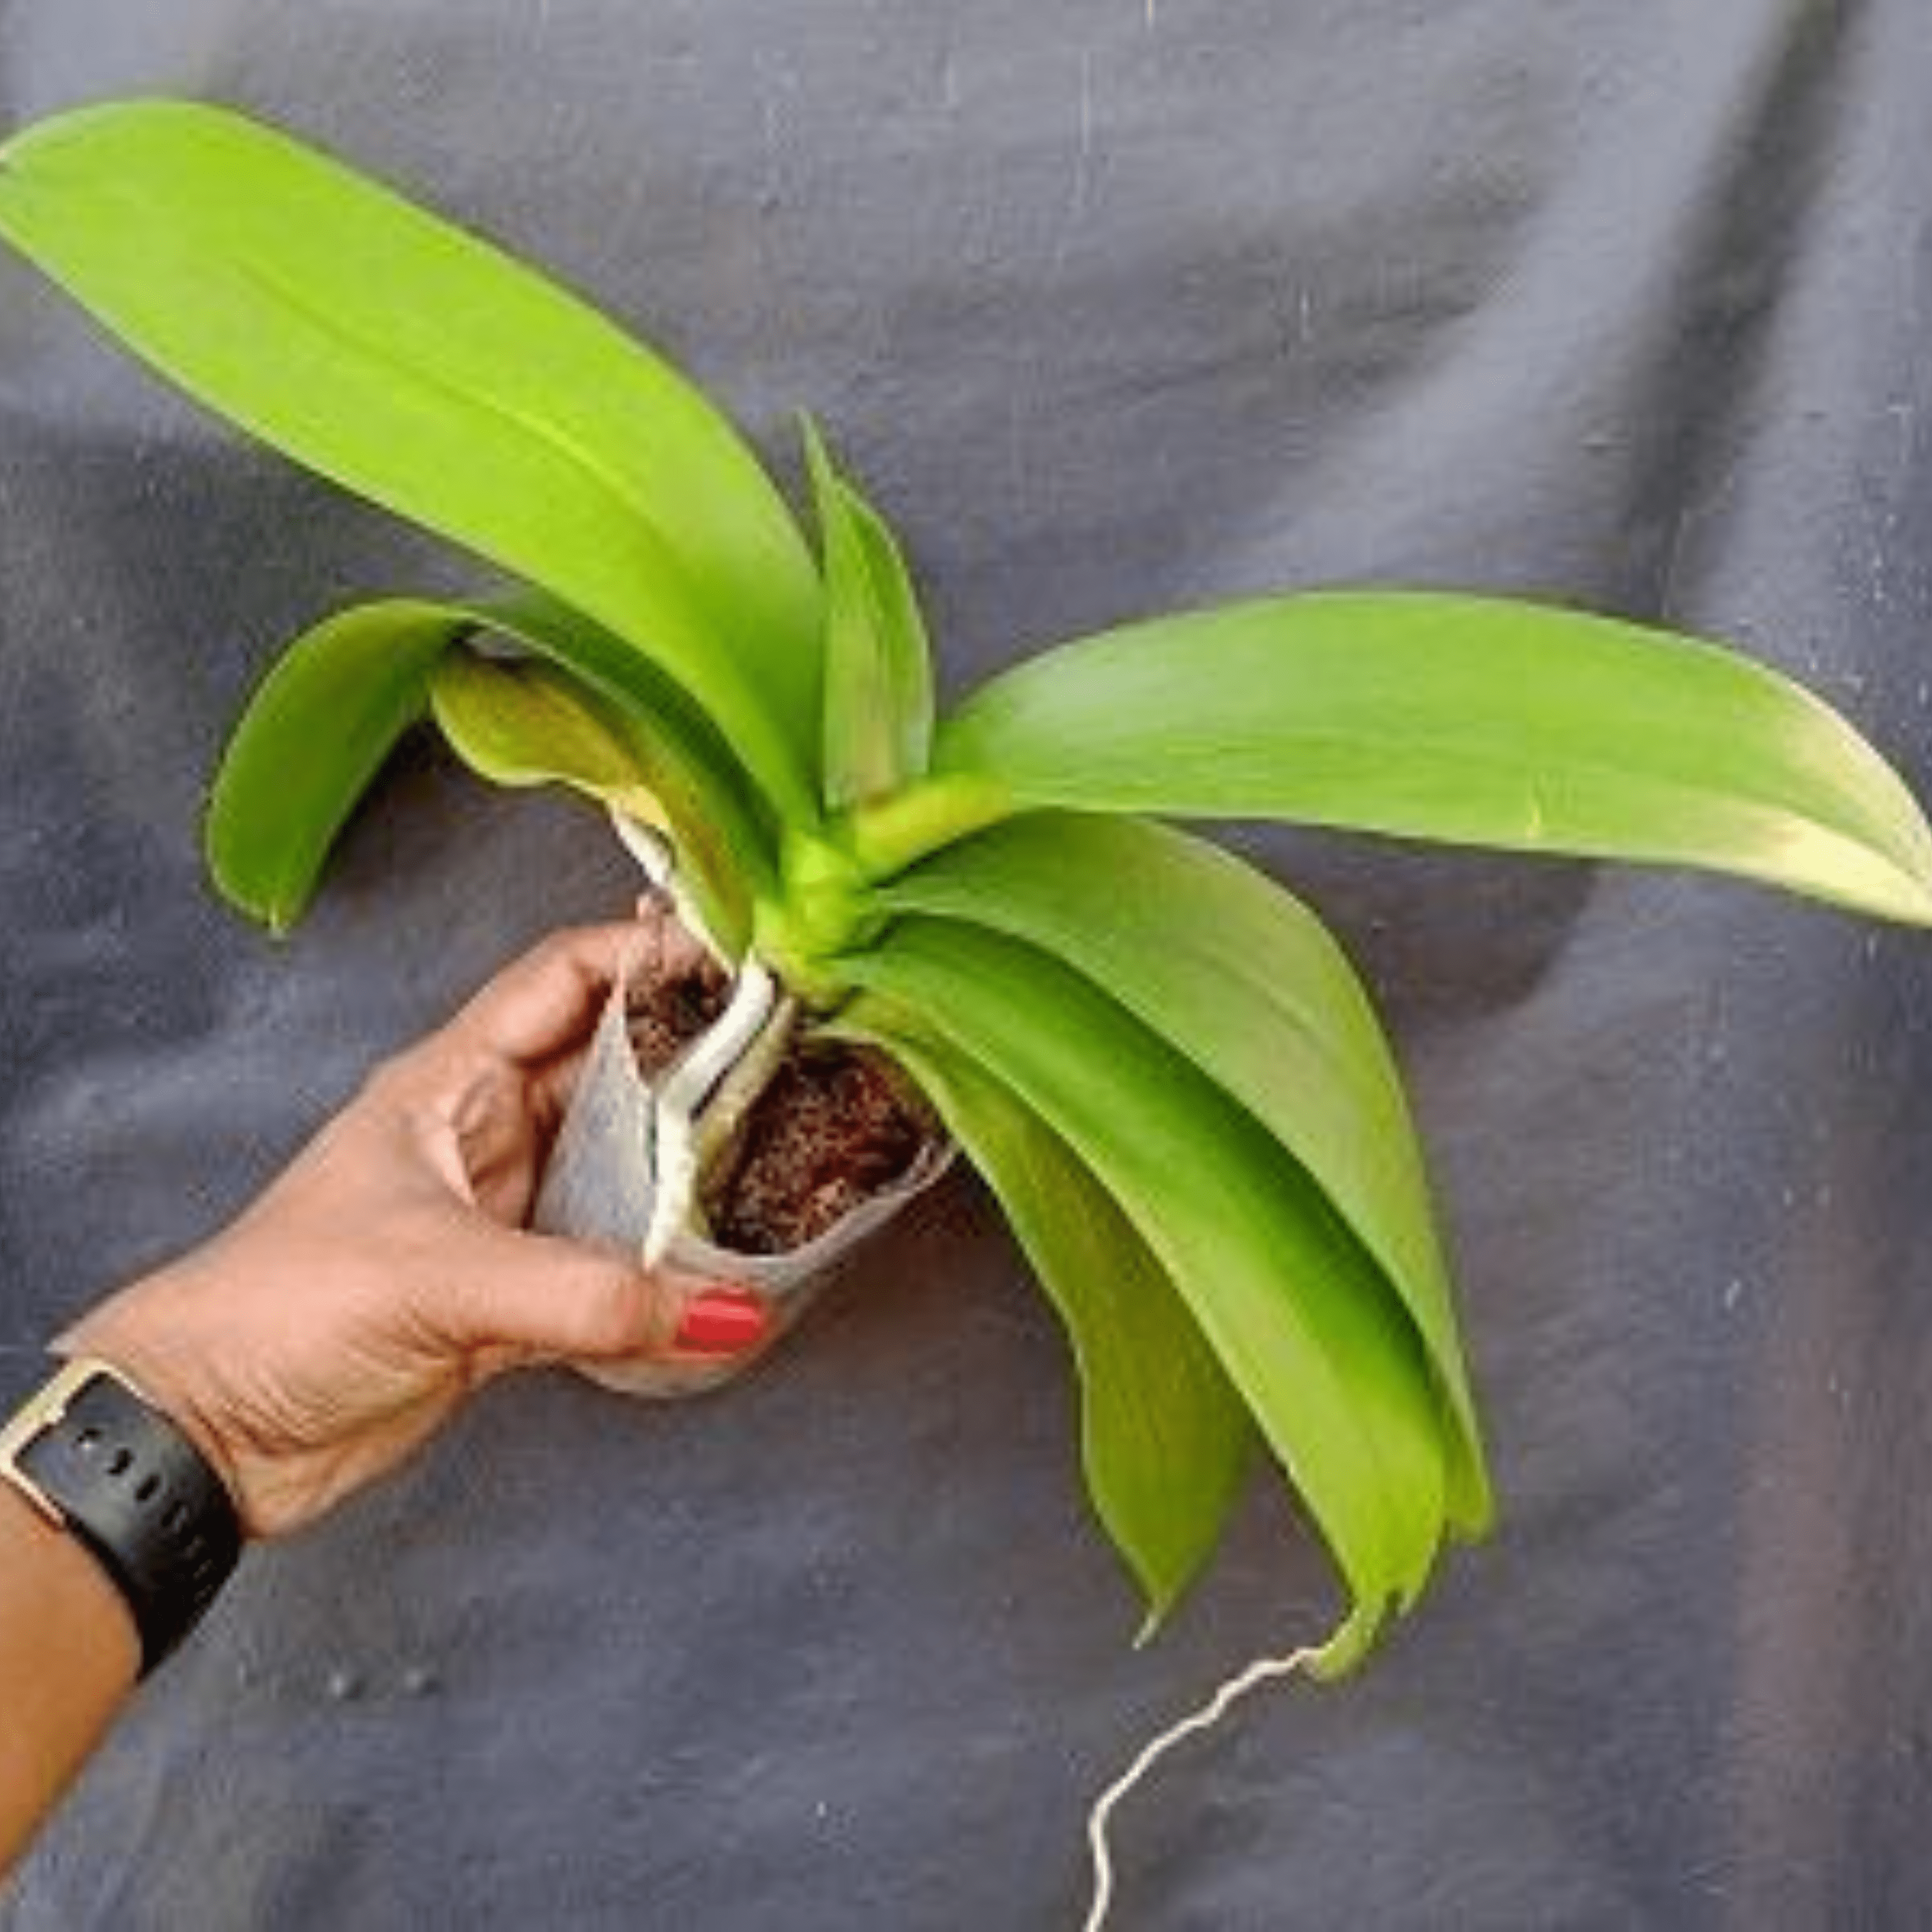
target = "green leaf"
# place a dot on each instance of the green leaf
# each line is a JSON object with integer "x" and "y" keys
{"x": 1244, "y": 980}
{"x": 727, "y": 848}
{"x": 416, "y": 364}
{"x": 878, "y": 667}
{"x": 1469, "y": 719}
{"x": 524, "y": 724}
{"x": 327, "y": 714}
{"x": 1165, "y": 1439}
{"x": 530, "y": 724}
{"x": 314, "y": 736}
{"x": 1299, "y": 1315}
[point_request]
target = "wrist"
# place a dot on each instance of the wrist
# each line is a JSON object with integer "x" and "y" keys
{"x": 110, "y": 1472}
{"x": 148, "y": 1352}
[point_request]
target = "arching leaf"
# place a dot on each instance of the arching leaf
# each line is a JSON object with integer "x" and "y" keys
{"x": 1165, "y": 1439}
{"x": 1245, "y": 981}
{"x": 1300, "y": 1318}
{"x": 1475, "y": 720}
{"x": 318, "y": 727}
{"x": 529, "y": 724}
{"x": 415, "y": 364}
{"x": 315, "y": 734}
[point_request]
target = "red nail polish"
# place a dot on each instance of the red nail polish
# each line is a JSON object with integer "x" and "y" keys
{"x": 723, "y": 1321}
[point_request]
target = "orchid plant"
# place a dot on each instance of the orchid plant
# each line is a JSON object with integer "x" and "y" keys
{"x": 1159, "y": 1061}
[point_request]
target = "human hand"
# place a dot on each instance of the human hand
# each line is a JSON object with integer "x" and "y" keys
{"x": 312, "y": 1345}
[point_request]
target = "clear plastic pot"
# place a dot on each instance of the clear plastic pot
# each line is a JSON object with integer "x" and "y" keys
{"x": 602, "y": 1184}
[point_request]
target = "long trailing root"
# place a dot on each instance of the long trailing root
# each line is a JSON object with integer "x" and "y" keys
{"x": 1263, "y": 1670}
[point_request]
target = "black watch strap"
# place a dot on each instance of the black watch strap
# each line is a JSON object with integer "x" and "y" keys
{"x": 97, "y": 1459}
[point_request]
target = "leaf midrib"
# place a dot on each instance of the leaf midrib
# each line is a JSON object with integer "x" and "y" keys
{"x": 1364, "y": 745}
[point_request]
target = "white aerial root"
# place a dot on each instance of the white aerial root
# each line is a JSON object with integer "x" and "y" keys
{"x": 686, "y": 1088}
{"x": 646, "y": 844}
{"x": 678, "y": 1151}
{"x": 653, "y": 851}
{"x": 1263, "y": 1670}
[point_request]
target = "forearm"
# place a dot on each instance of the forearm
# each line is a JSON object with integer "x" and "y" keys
{"x": 312, "y": 1346}
{"x": 68, "y": 1661}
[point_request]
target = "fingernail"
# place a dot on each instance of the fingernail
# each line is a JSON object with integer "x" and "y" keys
{"x": 722, "y": 1321}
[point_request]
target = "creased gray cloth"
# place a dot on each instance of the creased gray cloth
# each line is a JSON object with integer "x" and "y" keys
{"x": 1118, "y": 305}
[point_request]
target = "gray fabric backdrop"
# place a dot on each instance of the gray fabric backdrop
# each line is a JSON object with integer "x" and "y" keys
{"x": 1118, "y": 304}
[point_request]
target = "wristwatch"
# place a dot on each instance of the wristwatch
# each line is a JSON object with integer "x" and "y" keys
{"x": 97, "y": 1459}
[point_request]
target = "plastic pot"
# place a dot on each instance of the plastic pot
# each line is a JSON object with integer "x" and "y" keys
{"x": 602, "y": 1185}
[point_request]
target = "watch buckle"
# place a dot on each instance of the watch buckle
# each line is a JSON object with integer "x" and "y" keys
{"x": 44, "y": 1410}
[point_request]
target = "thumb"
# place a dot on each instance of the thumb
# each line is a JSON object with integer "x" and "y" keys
{"x": 543, "y": 1296}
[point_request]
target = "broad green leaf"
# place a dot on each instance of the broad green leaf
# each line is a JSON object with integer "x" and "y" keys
{"x": 726, "y": 847}
{"x": 1470, "y": 719}
{"x": 423, "y": 368}
{"x": 528, "y": 723}
{"x": 1300, "y": 1317}
{"x": 314, "y": 736}
{"x": 520, "y": 724}
{"x": 1165, "y": 1439}
{"x": 878, "y": 668}
{"x": 329, "y": 713}
{"x": 1242, "y": 978}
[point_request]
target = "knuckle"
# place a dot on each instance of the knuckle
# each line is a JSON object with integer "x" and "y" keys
{"x": 614, "y": 1311}
{"x": 570, "y": 950}
{"x": 394, "y": 1079}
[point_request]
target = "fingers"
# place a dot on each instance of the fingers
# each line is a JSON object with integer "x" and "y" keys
{"x": 548, "y": 1000}
{"x": 549, "y": 1088}
{"x": 548, "y": 1299}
